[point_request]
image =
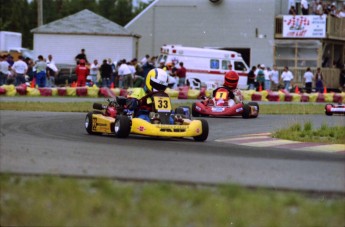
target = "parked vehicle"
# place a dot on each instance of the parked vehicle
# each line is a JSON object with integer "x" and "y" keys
{"x": 205, "y": 64}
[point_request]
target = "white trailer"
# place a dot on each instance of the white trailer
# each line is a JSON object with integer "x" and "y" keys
{"x": 10, "y": 40}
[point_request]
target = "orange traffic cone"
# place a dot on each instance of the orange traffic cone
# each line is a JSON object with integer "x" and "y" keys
{"x": 33, "y": 82}
{"x": 74, "y": 84}
{"x": 324, "y": 90}
{"x": 260, "y": 87}
{"x": 112, "y": 85}
{"x": 296, "y": 90}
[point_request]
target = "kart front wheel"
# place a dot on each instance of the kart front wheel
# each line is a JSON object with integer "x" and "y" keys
{"x": 89, "y": 123}
{"x": 195, "y": 113}
{"x": 256, "y": 106}
{"x": 122, "y": 126}
{"x": 328, "y": 113}
{"x": 203, "y": 136}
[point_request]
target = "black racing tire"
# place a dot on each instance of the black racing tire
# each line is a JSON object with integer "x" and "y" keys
{"x": 180, "y": 110}
{"x": 257, "y": 108}
{"x": 254, "y": 104}
{"x": 122, "y": 126}
{"x": 328, "y": 113}
{"x": 246, "y": 111}
{"x": 194, "y": 112}
{"x": 89, "y": 123}
{"x": 97, "y": 112}
{"x": 204, "y": 134}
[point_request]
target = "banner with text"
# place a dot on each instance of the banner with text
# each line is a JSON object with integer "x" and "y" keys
{"x": 312, "y": 26}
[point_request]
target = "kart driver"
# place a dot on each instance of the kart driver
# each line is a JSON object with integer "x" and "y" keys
{"x": 156, "y": 80}
{"x": 230, "y": 86}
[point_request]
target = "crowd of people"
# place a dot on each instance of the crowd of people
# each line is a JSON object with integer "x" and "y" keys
{"x": 25, "y": 70}
{"x": 124, "y": 74}
{"x": 261, "y": 77}
{"x": 317, "y": 7}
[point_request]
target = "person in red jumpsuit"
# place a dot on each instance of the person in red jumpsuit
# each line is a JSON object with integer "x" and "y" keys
{"x": 82, "y": 72}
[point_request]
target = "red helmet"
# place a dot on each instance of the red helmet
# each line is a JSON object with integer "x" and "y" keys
{"x": 231, "y": 80}
{"x": 82, "y": 61}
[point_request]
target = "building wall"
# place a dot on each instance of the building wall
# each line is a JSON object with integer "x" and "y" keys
{"x": 64, "y": 48}
{"x": 228, "y": 24}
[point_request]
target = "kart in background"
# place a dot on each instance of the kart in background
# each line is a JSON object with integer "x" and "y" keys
{"x": 117, "y": 118}
{"x": 219, "y": 107}
{"x": 331, "y": 109}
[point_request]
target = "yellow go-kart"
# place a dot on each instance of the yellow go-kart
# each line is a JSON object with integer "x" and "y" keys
{"x": 151, "y": 115}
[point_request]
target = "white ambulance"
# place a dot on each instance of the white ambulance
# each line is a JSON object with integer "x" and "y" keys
{"x": 205, "y": 64}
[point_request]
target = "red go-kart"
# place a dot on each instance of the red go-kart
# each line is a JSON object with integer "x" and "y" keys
{"x": 218, "y": 107}
{"x": 331, "y": 109}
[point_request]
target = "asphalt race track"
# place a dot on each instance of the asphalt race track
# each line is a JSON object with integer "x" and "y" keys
{"x": 57, "y": 143}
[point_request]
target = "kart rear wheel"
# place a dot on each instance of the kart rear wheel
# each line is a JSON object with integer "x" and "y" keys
{"x": 89, "y": 123}
{"x": 194, "y": 112}
{"x": 122, "y": 126}
{"x": 255, "y": 104}
{"x": 246, "y": 111}
{"x": 181, "y": 110}
{"x": 204, "y": 134}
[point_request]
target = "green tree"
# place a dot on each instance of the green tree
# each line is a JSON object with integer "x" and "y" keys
{"x": 123, "y": 12}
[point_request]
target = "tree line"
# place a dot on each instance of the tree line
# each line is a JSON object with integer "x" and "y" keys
{"x": 21, "y": 15}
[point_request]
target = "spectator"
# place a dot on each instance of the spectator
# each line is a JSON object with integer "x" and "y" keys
{"x": 305, "y": 7}
{"x": 274, "y": 78}
{"x": 94, "y": 68}
{"x": 19, "y": 69}
{"x": 41, "y": 67}
{"x": 82, "y": 72}
{"x": 4, "y": 70}
{"x": 267, "y": 73}
{"x": 261, "y": 77}
{"x": 341, "y": 13}
{"x": 30, "y": 72}
{"x": 148, "y": 66}
{"x": 181, "y": 73}
{"x": 287, "y": 78}
{"x": 80, "y": 56}
{"x": 292, "y": 11}
{"x": 251, "y": 79}
{"x": 145, "y": 59}
{"x": 138, "y": 80}
{"x": 308, "y": 80}
{"x": 318, "y": 80}
{"x": 319, "y": 9}
{"x": 333, "y": 12}
{"x": 52, "y": 71}
{"x": 106, "y": 72}
{"x": 314, "y": 7}
{"x": 125, "y": 75}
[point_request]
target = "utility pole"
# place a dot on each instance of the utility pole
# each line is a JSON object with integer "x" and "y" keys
{"x": 39, "y": 12}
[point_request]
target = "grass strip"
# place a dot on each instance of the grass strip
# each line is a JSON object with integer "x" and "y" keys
{"x": 306, "y": 133}
{"x": 56, "y": 201}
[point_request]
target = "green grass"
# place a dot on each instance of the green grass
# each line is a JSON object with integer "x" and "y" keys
{"x": 56, "y": 201}
{"x": 306, "y": 133}
{"x": 309, "y": 108}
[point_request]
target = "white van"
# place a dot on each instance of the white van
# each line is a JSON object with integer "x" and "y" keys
{"x": 206, "y": 64}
